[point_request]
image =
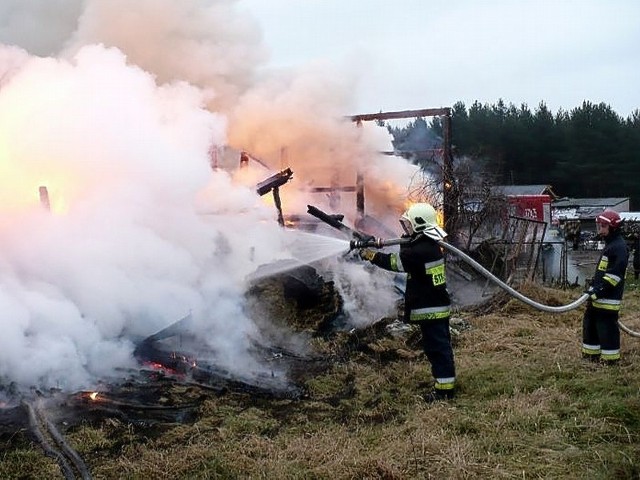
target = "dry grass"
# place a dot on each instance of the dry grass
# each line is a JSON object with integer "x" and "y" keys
{"x": 528, "y": 408}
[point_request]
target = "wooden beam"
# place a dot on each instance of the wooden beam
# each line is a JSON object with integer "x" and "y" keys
{"x": 407, "y": 153}
{"x": 333, "y": 189}
{"x": 425, "y": 112}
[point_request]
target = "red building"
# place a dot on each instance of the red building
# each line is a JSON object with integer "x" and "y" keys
{"x": 535, "y": 207}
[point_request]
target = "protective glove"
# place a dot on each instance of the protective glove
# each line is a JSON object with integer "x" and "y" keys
{"x": 367, "y": 254}
{"x": 593, "y": 292}
{"x": 366, "y": 238}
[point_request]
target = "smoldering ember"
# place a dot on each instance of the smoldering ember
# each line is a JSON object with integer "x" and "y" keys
{"x": 177, "y": 370}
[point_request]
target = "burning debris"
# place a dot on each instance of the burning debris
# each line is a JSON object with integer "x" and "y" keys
{"x": 128, "y": 241}
{"x": 117, "y": 217}
{"x": 175, "y": 378}
{"x": 273, "y": 184}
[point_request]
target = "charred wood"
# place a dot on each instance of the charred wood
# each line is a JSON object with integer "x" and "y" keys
{"x": 43, "y": 431}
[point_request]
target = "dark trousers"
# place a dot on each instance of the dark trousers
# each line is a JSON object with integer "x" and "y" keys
{"x": 600, "y": 327}
{"x": 436, "y": 343}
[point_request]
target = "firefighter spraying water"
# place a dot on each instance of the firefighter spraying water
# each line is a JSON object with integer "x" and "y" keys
{"x": 426, "y": 299}
{"x": 360, "y": 241}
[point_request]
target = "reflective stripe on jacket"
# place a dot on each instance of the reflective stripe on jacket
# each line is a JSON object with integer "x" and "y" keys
{"x": 426, "y": 296}
{"x": 608, "y": 280}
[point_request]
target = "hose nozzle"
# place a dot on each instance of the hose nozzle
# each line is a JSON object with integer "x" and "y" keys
{"x": 366, "y": 243}
{"x": 372, "y": 242}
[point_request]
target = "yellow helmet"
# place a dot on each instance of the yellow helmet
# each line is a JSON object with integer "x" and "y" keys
{"x": 422, "y": 218}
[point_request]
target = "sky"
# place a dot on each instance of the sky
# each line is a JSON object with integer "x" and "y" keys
{"x": 413, "y": 54}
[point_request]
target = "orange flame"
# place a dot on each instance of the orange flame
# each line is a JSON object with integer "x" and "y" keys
{"x": 93, "y": 396}
{"x": 21, "y": 186}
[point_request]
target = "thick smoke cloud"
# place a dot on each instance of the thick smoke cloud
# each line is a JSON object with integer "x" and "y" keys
{"x": 124, "y": 251}
{"x": 115, "y": 107}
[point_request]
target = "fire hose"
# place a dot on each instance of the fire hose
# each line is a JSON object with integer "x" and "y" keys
{"x": 366, "y": 241}
{"x": 380, "y": 243}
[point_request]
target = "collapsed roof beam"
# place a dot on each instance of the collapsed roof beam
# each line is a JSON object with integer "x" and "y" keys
{"x": 425, "y": 112}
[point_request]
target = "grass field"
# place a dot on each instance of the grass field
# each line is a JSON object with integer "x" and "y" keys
{"x": 528, "y": 407}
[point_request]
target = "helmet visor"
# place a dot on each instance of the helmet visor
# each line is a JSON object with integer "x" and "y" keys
{"x": 406, "y": 226}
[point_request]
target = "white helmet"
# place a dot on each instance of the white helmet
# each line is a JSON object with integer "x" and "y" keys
{"x": 422, "y": 218}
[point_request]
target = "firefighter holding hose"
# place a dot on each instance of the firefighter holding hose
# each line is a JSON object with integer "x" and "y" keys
{"x": 600, "y": 333}
{"x": 426, "y": 299}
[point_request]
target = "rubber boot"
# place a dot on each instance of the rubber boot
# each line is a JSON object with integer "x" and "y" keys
{"x": 436, "y": 395}
{"x": 591, "y": 358}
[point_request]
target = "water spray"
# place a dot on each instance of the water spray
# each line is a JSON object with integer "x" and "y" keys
{"x": 367, "y": 241}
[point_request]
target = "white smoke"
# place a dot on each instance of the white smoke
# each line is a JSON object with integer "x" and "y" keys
{"x": 124, "y": 252}
{"x": 116, "y": 117}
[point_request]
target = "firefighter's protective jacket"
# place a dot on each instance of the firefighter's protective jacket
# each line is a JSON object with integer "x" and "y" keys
{"x": 426, "y": 296}
{"x": 608, "y": 282}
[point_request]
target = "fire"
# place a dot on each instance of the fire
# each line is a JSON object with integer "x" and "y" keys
{"x": 268, "y": 200}
{"x": 21, "y": 186}
{"x": 57, "y": 203}
{"x": 161, "y": 368}
{"x": 21, "y": 192}
{"x": 93, "y": 396}
{"x": 30, "y": 158}
{"x": 156, "y": 365}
